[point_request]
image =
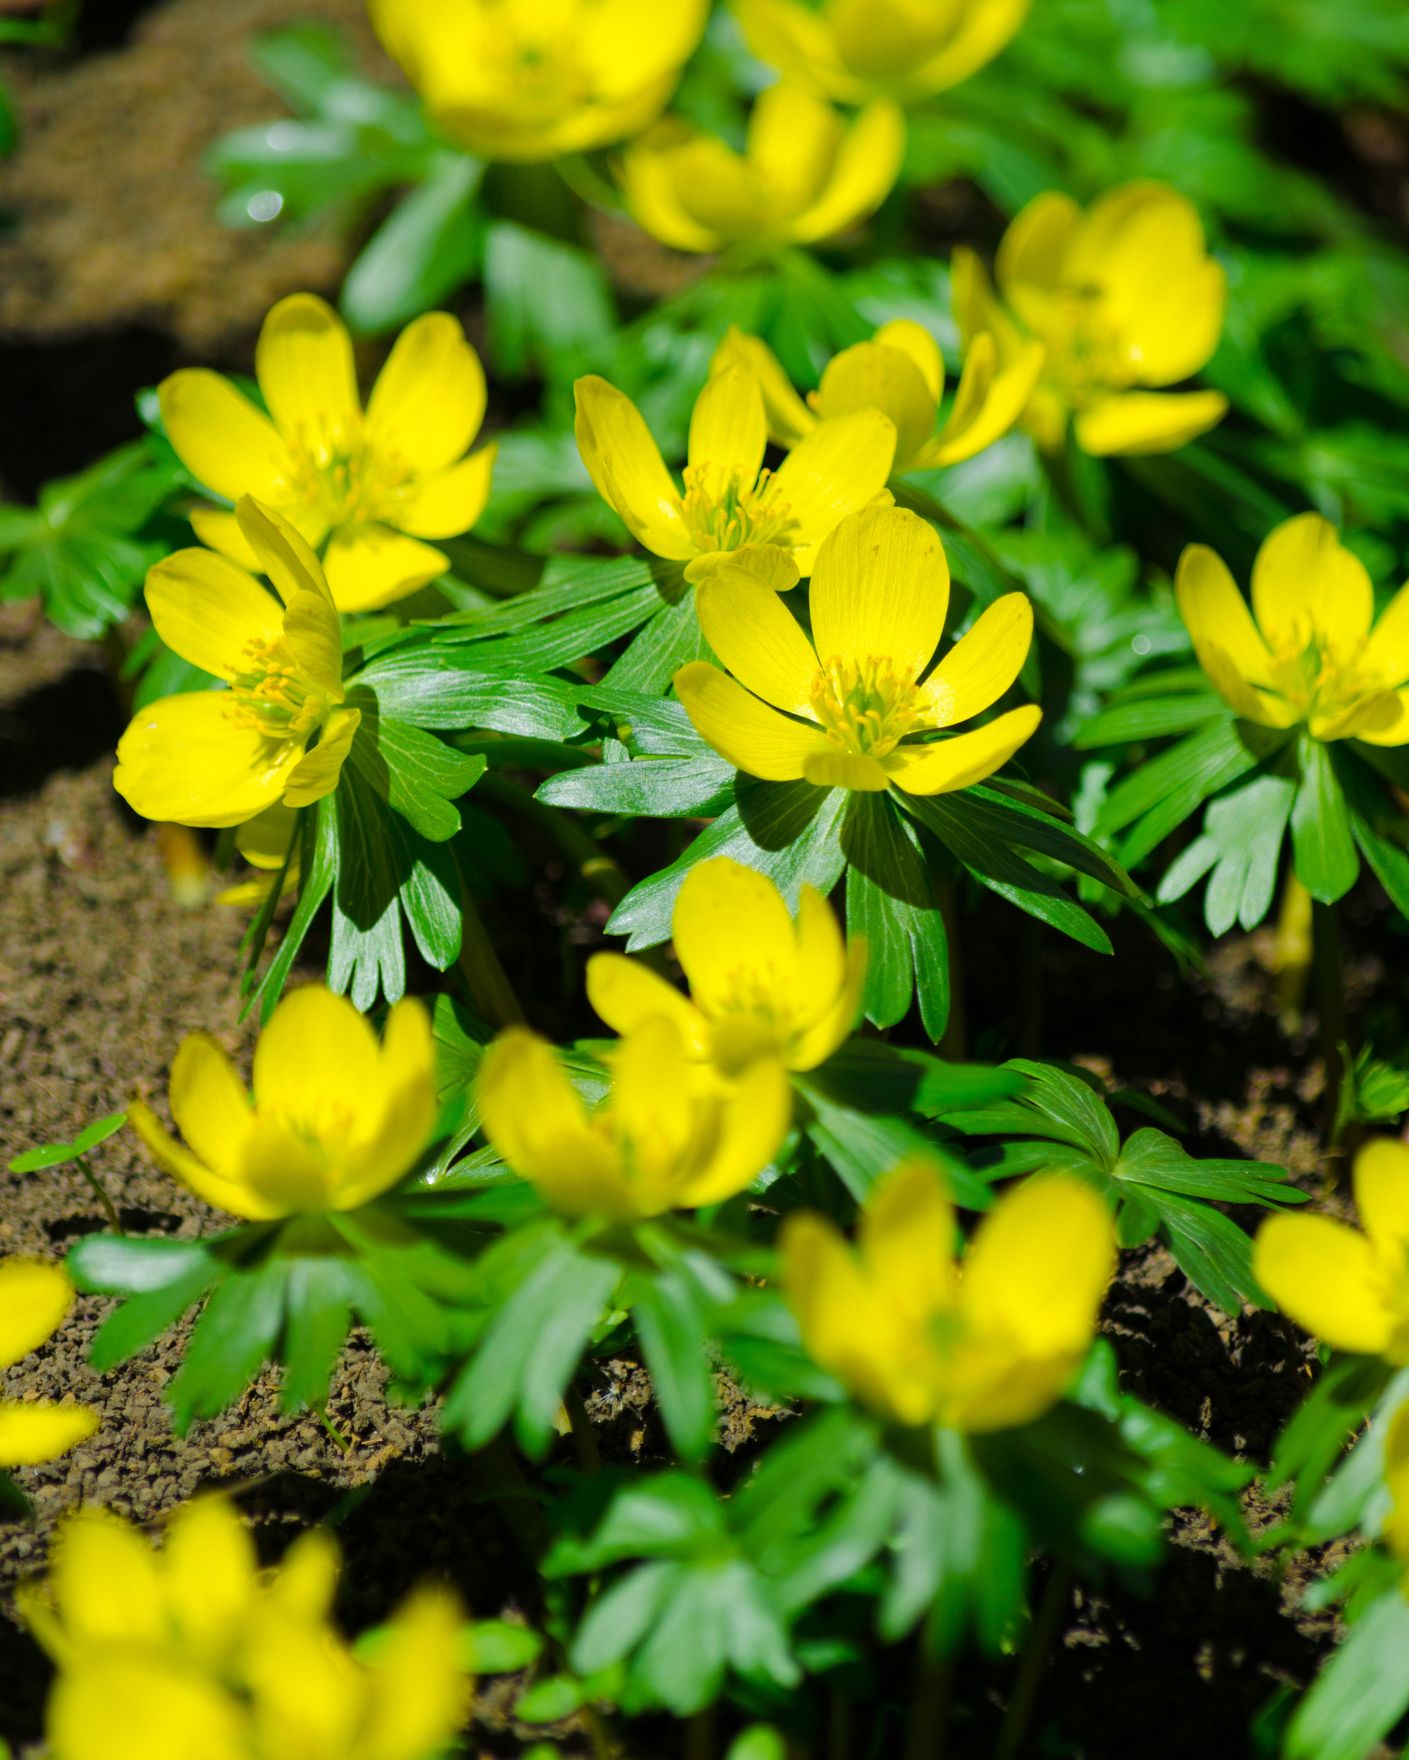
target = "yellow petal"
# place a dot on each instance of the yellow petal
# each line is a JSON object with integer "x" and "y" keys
{"x": 942, "y": 766}
{"x": 406, "y": 1083}
{"x": 210, "y": 612}
{"x": 316, "y": 773}
{"x": 872, "y": 375}
{"x": 730, "y": 921}
{"x": 1381, "y": 1180}
{"x": 1324, "y": 1275}
{"x": 728, "y": 429}
{"x": 652, "y": 181}
{"x": 285, "y": 1168}
{"x": 981, "y": 665}
{"x": 789, "y": 418}
{"x": 1034, "y": 248}
{"x": 428, "y": 402}
{"x": 449, "y": 503}
{"x": 753, "y": 737}
{"x": 652, "y": 1109}
{"x": 317, "y": 1067}
{"x": 980, "y": 32}
{"x": 34, "y": 1299}
{"x": 831, "y": 767}
{"x": 1387, "y": 651}
{"x": 867, "y": 164}
{"x": 758, "y": 639}
{"x": 753, "y": 1121}
{"x": 1391, "y": 727}
{"x": 190, "y": 759}
{"x": 41, "y": 1430}
{"x": 1217, "y": 617}
{"x": 914, "y": 341}
{"x": 815, "y": 1045}
{"x": 221, "y": 438}
{"x": 992, "y": 395}
{"x": 305, "y": 1583}
{"x": 1039, "y": 1265}
{"x": 820, "y": 965}
{"x": 1173, "y": 329}
{"x": 171, "y": 1158}
{"x": 906, "y": 1239}
{"x": 311, "y": 627}
{"x": 533, "y": 1117}
{"x": 419, "y": 1693}
{"x": 304, "y": 365}
{"x": 209, "y": 1103}
{"x": 218, "y": 529}
{"x": 880, "y": 588}
{"x": 105, "y": 1582}
{"x": 623, "y": 992}
{"x": 798, "y": 42}
{"x": 632, "y": 43}
{"x": 625, "y": 464}
{"x": 1306, "y": 584}
{"x": 371, "y": 566}
{"x": 122, "y": 1704}
{"x": 833, "y": 471}
{"x": 1137, "y": 422}
{"x": 210, "y": 1574}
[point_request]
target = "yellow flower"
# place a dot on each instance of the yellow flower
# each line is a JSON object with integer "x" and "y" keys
{"x": 191, "y": 1651}
{"x": 335, "y": 1120}
{"x": 761, "y": 982}
{"x": 986, "y": 1344}
{"x": 1396, "y": 1528}
{"x": 264, "y": 843}
{"x": 34, "y": 1298}
{"x": 533, "y": 79}
{"x": 900, "y": 372}
{"x": 662, "y": 1139}
{"x": 1350, "y": 1289}
{"x": 852, "y": 50}
{"x": 837, "y": 710}
{"x": 1124, "y": 297}
{"x": 220, "y": 757}
{"x": 1308, "y": 651}
{"x": 368, "y": 486}
{"x": 804, "y": 175}
{"x": 730, "y": 502}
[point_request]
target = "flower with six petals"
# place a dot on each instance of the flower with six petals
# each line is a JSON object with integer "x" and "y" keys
{"x": 663, "y": 1138}
{"x": 839, "y": 710}
{"x": 1310, "y": 650}
{"x": 364, "y": 488}
{"x": 986, "y": 1344}
{"x": 804, "y": 175}
{"x": 1126, "y": 300}
{"x": 900, "y": 372}
{"x": 336, "y": 1119}
{"x": 34, "y": 1298}
{"x": 762, "y": 982}
{"x": 534, "y": 79}
{"x": 730, "y": 503}
{"x": 221, "y": 757}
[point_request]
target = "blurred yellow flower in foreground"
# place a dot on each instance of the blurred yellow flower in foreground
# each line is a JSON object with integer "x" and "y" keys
{"x": 364, "y": 488}
{"x": 192, "y": 1651}
{"x": 900, "y": 372}
{"x": 34, "y": 1298}
{"x": 852, "y": 50}
{"x": 1350, "y": 1289}
{"x": 1396, "y": 1528}
{"x": 532, "y": 79}
{"x": 762, "y": 983}
{"x": 985, "y": 1344}
{"x": 220, "y": 757}
{"x": 838, "y": 709}
{"x": 730, "y": 503}
{"x": 804, "y": 175}
{"x": 1125, "y": 297}
{"x": 1310, "y": 650}
{"x": 336, "y": 1118}
{"x": 664, "y": 1137}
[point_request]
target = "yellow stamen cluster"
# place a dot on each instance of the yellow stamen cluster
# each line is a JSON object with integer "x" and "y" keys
{"x": 269, "y": 693}
{"x": 867, "y": 706}
{"x": 724, "y": 513}
{"x": 344, "y": 479}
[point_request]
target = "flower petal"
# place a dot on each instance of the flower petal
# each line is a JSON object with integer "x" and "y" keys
{"x": 105, "y": 1582}
{"x": 867, "y": 164}
{"x": 1136, "y": 422}
{"x": 942, "y": 766}
{"x": 210, "y": 612}
{"x": 832, "y": 1029}
{"x": 1324, "y": 1275}
{"x": 303, "y": 362}
{"x": 624, "y": 462}
{"x": 1034, "y": 249}
{"x": 210, "y": 1575}
{"x": 429, "y": 399}
{"x": 1217, "y": 616}
{"x": 1393, "y": 728}
{"x": 880, "y": 589}
{"x": 992, "y": 395}
{"x": 534, "y": 1118}
{"x": 221, "y": 438}
{"x": 730, "y": 919}
{"x": 906, "y": 1239}
{"x": 752, "y": 631}
{"x": 41, "y": 1430}
{"x": 791, "y": 146}
{"x": 408, "y": 1111}
{"x": 1381, "y": 1180}
{"x": 789, "y": 418}
{"x": 1306, "y": 585}
{"x": 981, "y": 665}
{"x": 445, "y": 505}
{"x": 831, "y": 767}
{"x": 311, "y": 626}
{"x": 800, "y": 44}
{"x": 979, "y": 33}
{"x": 317, "y": 1066}
{"x": 872, "y": 375}
{"x": 370, "y": 566}
{"x": 752, "y": 736}
{"x": 209, "y": 1103}
{"x": 838, "y": 468}
{"x": 218, "y": 529}
{"x": 316, "y": 773}
{"x": 916, "y": 342}
{"x": 623, "y": 992}
{"x": 728, "y": 428}
{"x": 1039, "y": 1265}
{"x": 193, "y": 760}
{"x": 754, "y": 1119}
{"x": 183, "y": 1167}
{"x": 1387, "y": 651}
{"x": 653, "y": 173}
{"x": 34, "y": 1299}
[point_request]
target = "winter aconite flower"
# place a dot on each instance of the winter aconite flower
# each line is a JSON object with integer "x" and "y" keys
{"x": 191, "y": 1650}
{"x": 1126, "y": 300}
{"x": 987, "y": 1344}
{"x": 849, "y": 708}
{"x": 661, "y": 1139}
{"x": 364, "y": 488}
{"x": 762, "y": 982}
{"x": 533, "y": 79}
{"x": 1311, "y": 650}
{"x": 34, "y": 1298}
{"x": 853, "y": 50}
{"x": 1350, "y": 1289}
{"x": 335, "y": 1120}
{"x": 900, "y": 372}
{"x": 281, "y": 731}
{"x": 730, "y": 503}
{"x": 805, "y": 175}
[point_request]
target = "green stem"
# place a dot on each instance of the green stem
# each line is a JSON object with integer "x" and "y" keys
{"x": 928, "y": 1734}
{"x": 340, "y": 1442}
{"x": 1292, "y": 955}
{"x": 1329, "y": 977}
{"x": 488, "y": 983}
{"x": 699, "y": 1735}
{"x": 1018, "y": 1718}
{"x": 584, "y": 1439}
{"x": 955, "y": 1043}
{"x": 100, "y": 1192}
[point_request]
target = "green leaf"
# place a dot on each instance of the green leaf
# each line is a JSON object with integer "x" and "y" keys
{"x": 891, "y": 903}
{"x": 141, "y": 1319}
{"x": 1165, "y": 790}
{"x": 1322, "y": 846}
{"x": 497, "y": 1646}
{"x": 548, "y": 302}
{"x": 416, "y": 774}
{"x": 672, "y": 1326}
{"x": 319, "y": 1312}
{"x": 1211, "y": 1250}
{"x": 1242, "y": 846}
{"x": 56, "y": 1154}
{"x": 425, "y": 249}
{"x": 646, "y": 788}
{"x": 108, "y": 1264}
{"x": 1361, "y": 1693}
{"x": 236, "y": 1333}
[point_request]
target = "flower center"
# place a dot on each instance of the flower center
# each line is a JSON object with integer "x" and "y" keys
{"x": 866, "y": 706}
{"x": 1086, "y": 352}
{"x": 342, "y": 479}
{"x": 271, "y": 694}
{"x": 725, "y": 514}
{"x": 1319, "y": 681}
